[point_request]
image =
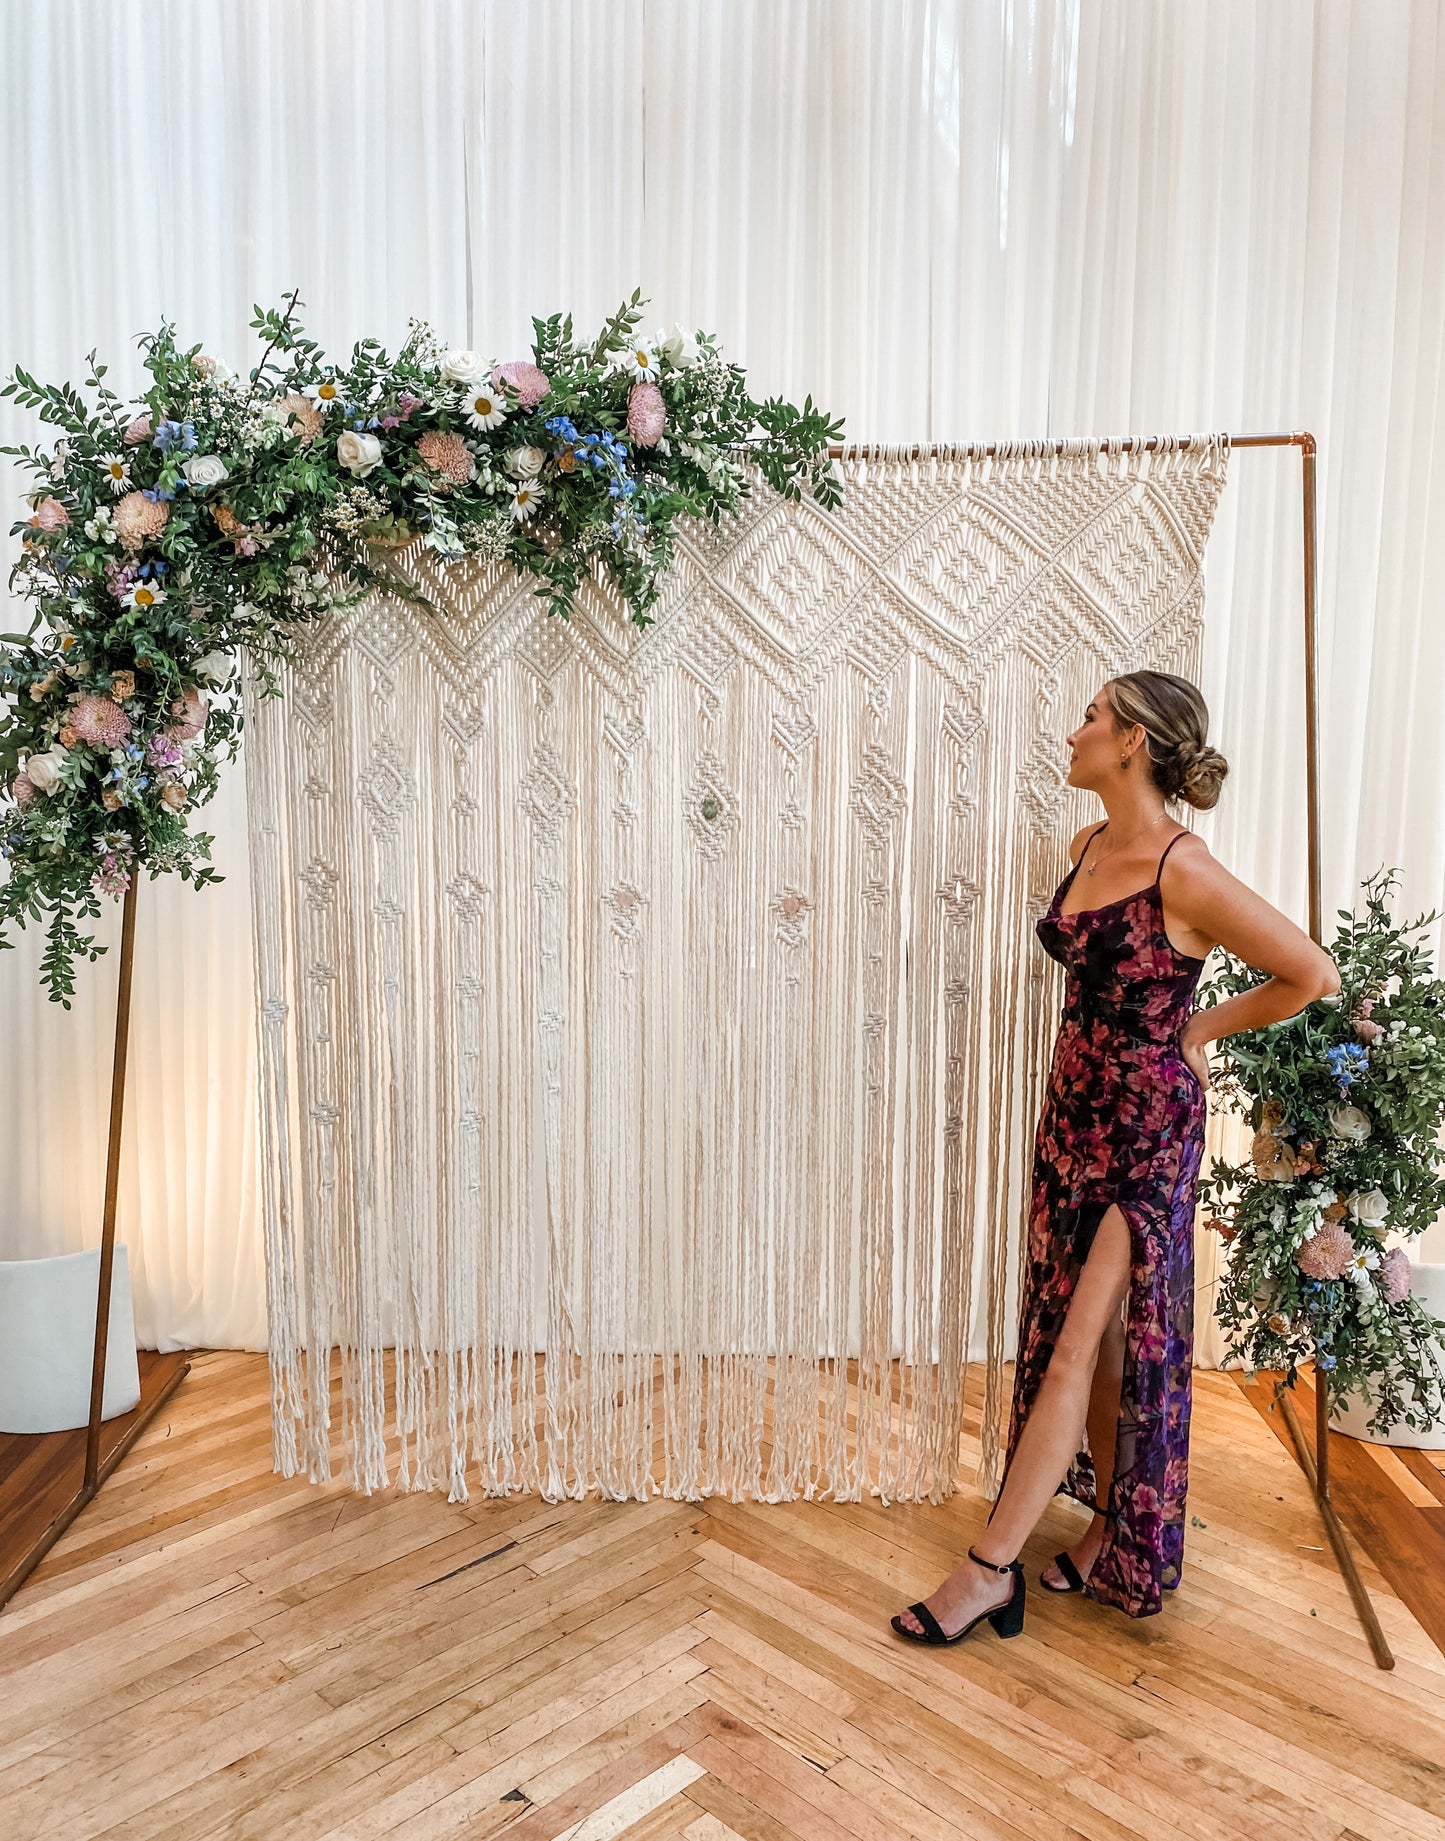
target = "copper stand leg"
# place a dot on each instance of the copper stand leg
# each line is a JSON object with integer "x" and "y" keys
{"x": 112, "y": 1185}
{"x": 1338, "y": 1540}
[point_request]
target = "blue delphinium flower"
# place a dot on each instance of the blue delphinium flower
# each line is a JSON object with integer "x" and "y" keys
{"x": 1347, "y": 1061}
{"x": 1326, "y": 1362}
{"x": 169, "y": 434}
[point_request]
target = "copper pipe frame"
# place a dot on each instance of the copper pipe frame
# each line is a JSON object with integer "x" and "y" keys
{"x": 1318, "y": 1472}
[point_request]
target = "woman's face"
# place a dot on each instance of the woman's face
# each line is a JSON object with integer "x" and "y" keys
{"x": 1095, "y": 746}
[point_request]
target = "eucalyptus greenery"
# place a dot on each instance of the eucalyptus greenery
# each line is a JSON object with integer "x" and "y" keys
{"x": 1346, "y": 1102}
{"x": 220, "y": 514}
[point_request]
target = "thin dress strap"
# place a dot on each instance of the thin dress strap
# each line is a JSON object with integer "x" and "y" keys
{"x": 1167, "y": 848}
{"x": 1087, "y": 841}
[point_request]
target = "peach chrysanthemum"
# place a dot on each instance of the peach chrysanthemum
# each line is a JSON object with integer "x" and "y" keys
{"x": 136, "y": 518}
{"x": 526, "y": 382}
{"x": 447, "y": 454}
{"x": 1328, "y": 1252}
{"x": 100, "y": 721}
{"x": 302, "y": 417}
{"x": 646, "y": 415}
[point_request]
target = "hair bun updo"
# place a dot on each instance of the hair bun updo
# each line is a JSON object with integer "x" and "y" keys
{"x": 1175, "y": 720}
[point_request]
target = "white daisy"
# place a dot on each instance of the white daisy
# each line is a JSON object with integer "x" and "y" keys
{"x": 485, "y": 407}
{"x": 640, "y": 361}
{"x": 1365, "y": 1261}
{"x": 117, "y": 471}
{"x": 525, "y": 500}
{"x": 143, "y": 596}
{"x": 324, "y": 394}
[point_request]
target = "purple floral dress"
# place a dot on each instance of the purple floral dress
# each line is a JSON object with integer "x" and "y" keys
{"x": 1123, "y": 1121}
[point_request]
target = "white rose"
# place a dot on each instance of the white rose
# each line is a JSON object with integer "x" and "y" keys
{"x": 359, "y": 454}
{"x": 1349, "y": 1123}
{"x": 204, "y": 470}
{"x": 526, "y": 462}
{"x": 680, "y": 348}
{"x": 43, "y": 770}
{"x": 214, "y": 668}
{"x": 465, "y": 368}
{"x": 1370, "y": 1207}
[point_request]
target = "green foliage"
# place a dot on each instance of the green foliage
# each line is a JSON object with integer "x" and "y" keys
{"x": 1346, "y": 1101}
{"x": 246, "y": 508}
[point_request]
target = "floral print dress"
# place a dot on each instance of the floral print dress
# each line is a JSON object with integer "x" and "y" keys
{"x": 1123, "y": 1121}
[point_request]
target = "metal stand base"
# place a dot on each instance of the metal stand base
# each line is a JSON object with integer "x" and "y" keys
{"x": 1320, "y": 1483}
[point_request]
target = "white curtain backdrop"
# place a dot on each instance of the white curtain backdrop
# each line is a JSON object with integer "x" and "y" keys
{"x": 999, "y": 218}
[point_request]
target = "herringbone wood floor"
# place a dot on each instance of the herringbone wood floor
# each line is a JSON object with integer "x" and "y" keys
{"x": 214, "y": 1651}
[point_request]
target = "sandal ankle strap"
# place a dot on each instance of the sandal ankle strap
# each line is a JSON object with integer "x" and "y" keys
{"x": 989, "y": 1566}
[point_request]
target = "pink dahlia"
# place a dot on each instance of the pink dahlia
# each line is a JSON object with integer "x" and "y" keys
{"x": 646, "y": 415}
{"x": 51, "y": 515}
{"x": 1328, "y": 1252}
{"x": 139, "y": 430}
{"x": 100, "y": 721}
{"x": 528, "y": 384}
{"x": 137, "y": 518}
{"x": 1394, "y": 1279}
{"x": 190, "y": 714}
{"x": 22, "y": 789}
{"x": 447, "y": 454}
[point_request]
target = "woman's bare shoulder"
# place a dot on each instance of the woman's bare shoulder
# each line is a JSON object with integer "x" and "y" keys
{"x": 1082, "y": 836}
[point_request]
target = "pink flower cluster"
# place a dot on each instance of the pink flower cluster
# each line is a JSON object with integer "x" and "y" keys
{"x": 525, "y": 380}
{"x": 447, "y": 454}
{"x": 190, "y": 713}
{"x": 646, "y": 414}
{"x": 51, "y": 515}
{"x": 405, "y": 404}
{"x": 1328, "y": 1252}
{"x": 164, "y": 750}
{"x": 112, "y": 878}
{"x": 1394, "y": 1278}
{"x": 139, "y": 430}
{"x": 99, "y": 721}
{"x": 137, "y": 518}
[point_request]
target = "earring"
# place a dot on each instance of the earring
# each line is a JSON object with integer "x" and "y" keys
{"x": 1123, "y": 760}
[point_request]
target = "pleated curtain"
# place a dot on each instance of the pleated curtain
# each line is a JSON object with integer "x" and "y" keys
{"x": 1001, "y": 219}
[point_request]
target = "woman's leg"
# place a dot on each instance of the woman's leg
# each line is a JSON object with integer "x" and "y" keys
{"x": 1103, "y": 1423}
{"x": 1051, "y": 1434}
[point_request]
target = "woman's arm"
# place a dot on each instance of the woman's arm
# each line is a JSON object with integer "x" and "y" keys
{"x": 1219, "y": 909}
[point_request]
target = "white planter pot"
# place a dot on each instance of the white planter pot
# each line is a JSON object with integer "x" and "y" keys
{"x": 1427, "y": 1283}
{"x": 47, "y": 1342}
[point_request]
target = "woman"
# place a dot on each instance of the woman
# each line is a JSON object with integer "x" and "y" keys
{"x": 1106, "y": 1319}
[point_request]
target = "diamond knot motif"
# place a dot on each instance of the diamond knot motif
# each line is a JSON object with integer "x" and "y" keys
{"x": 467, "y": 895}
{"x": 877, "y": 797}
{"x": 387, "y": 788}
{"x": 709, "y": 806}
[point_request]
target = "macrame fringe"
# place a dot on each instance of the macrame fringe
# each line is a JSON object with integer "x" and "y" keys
{"x": 651, "y": 1028}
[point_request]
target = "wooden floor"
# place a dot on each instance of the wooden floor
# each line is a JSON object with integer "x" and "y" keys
{"x": 211, "y": 1650}
{"x": 1392, "y": 1502}
{"x": 41, "y": 1473}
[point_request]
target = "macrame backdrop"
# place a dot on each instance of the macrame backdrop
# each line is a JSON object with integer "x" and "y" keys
{"x": 652, "y": 1027}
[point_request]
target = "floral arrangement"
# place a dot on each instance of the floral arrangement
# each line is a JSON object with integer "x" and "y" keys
{"x": 1346, "y": 1102}
{"x": 219, "y": 514}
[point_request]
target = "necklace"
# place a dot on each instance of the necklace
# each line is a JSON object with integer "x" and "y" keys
{"x": 1113, "y": 853}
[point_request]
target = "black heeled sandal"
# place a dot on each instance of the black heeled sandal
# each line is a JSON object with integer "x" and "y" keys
{"x": 1006, "y": 1618}
{"x": 1071, "y": 1572}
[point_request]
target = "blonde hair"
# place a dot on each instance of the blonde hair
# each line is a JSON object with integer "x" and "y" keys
{"x": 1175, "y": 720}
